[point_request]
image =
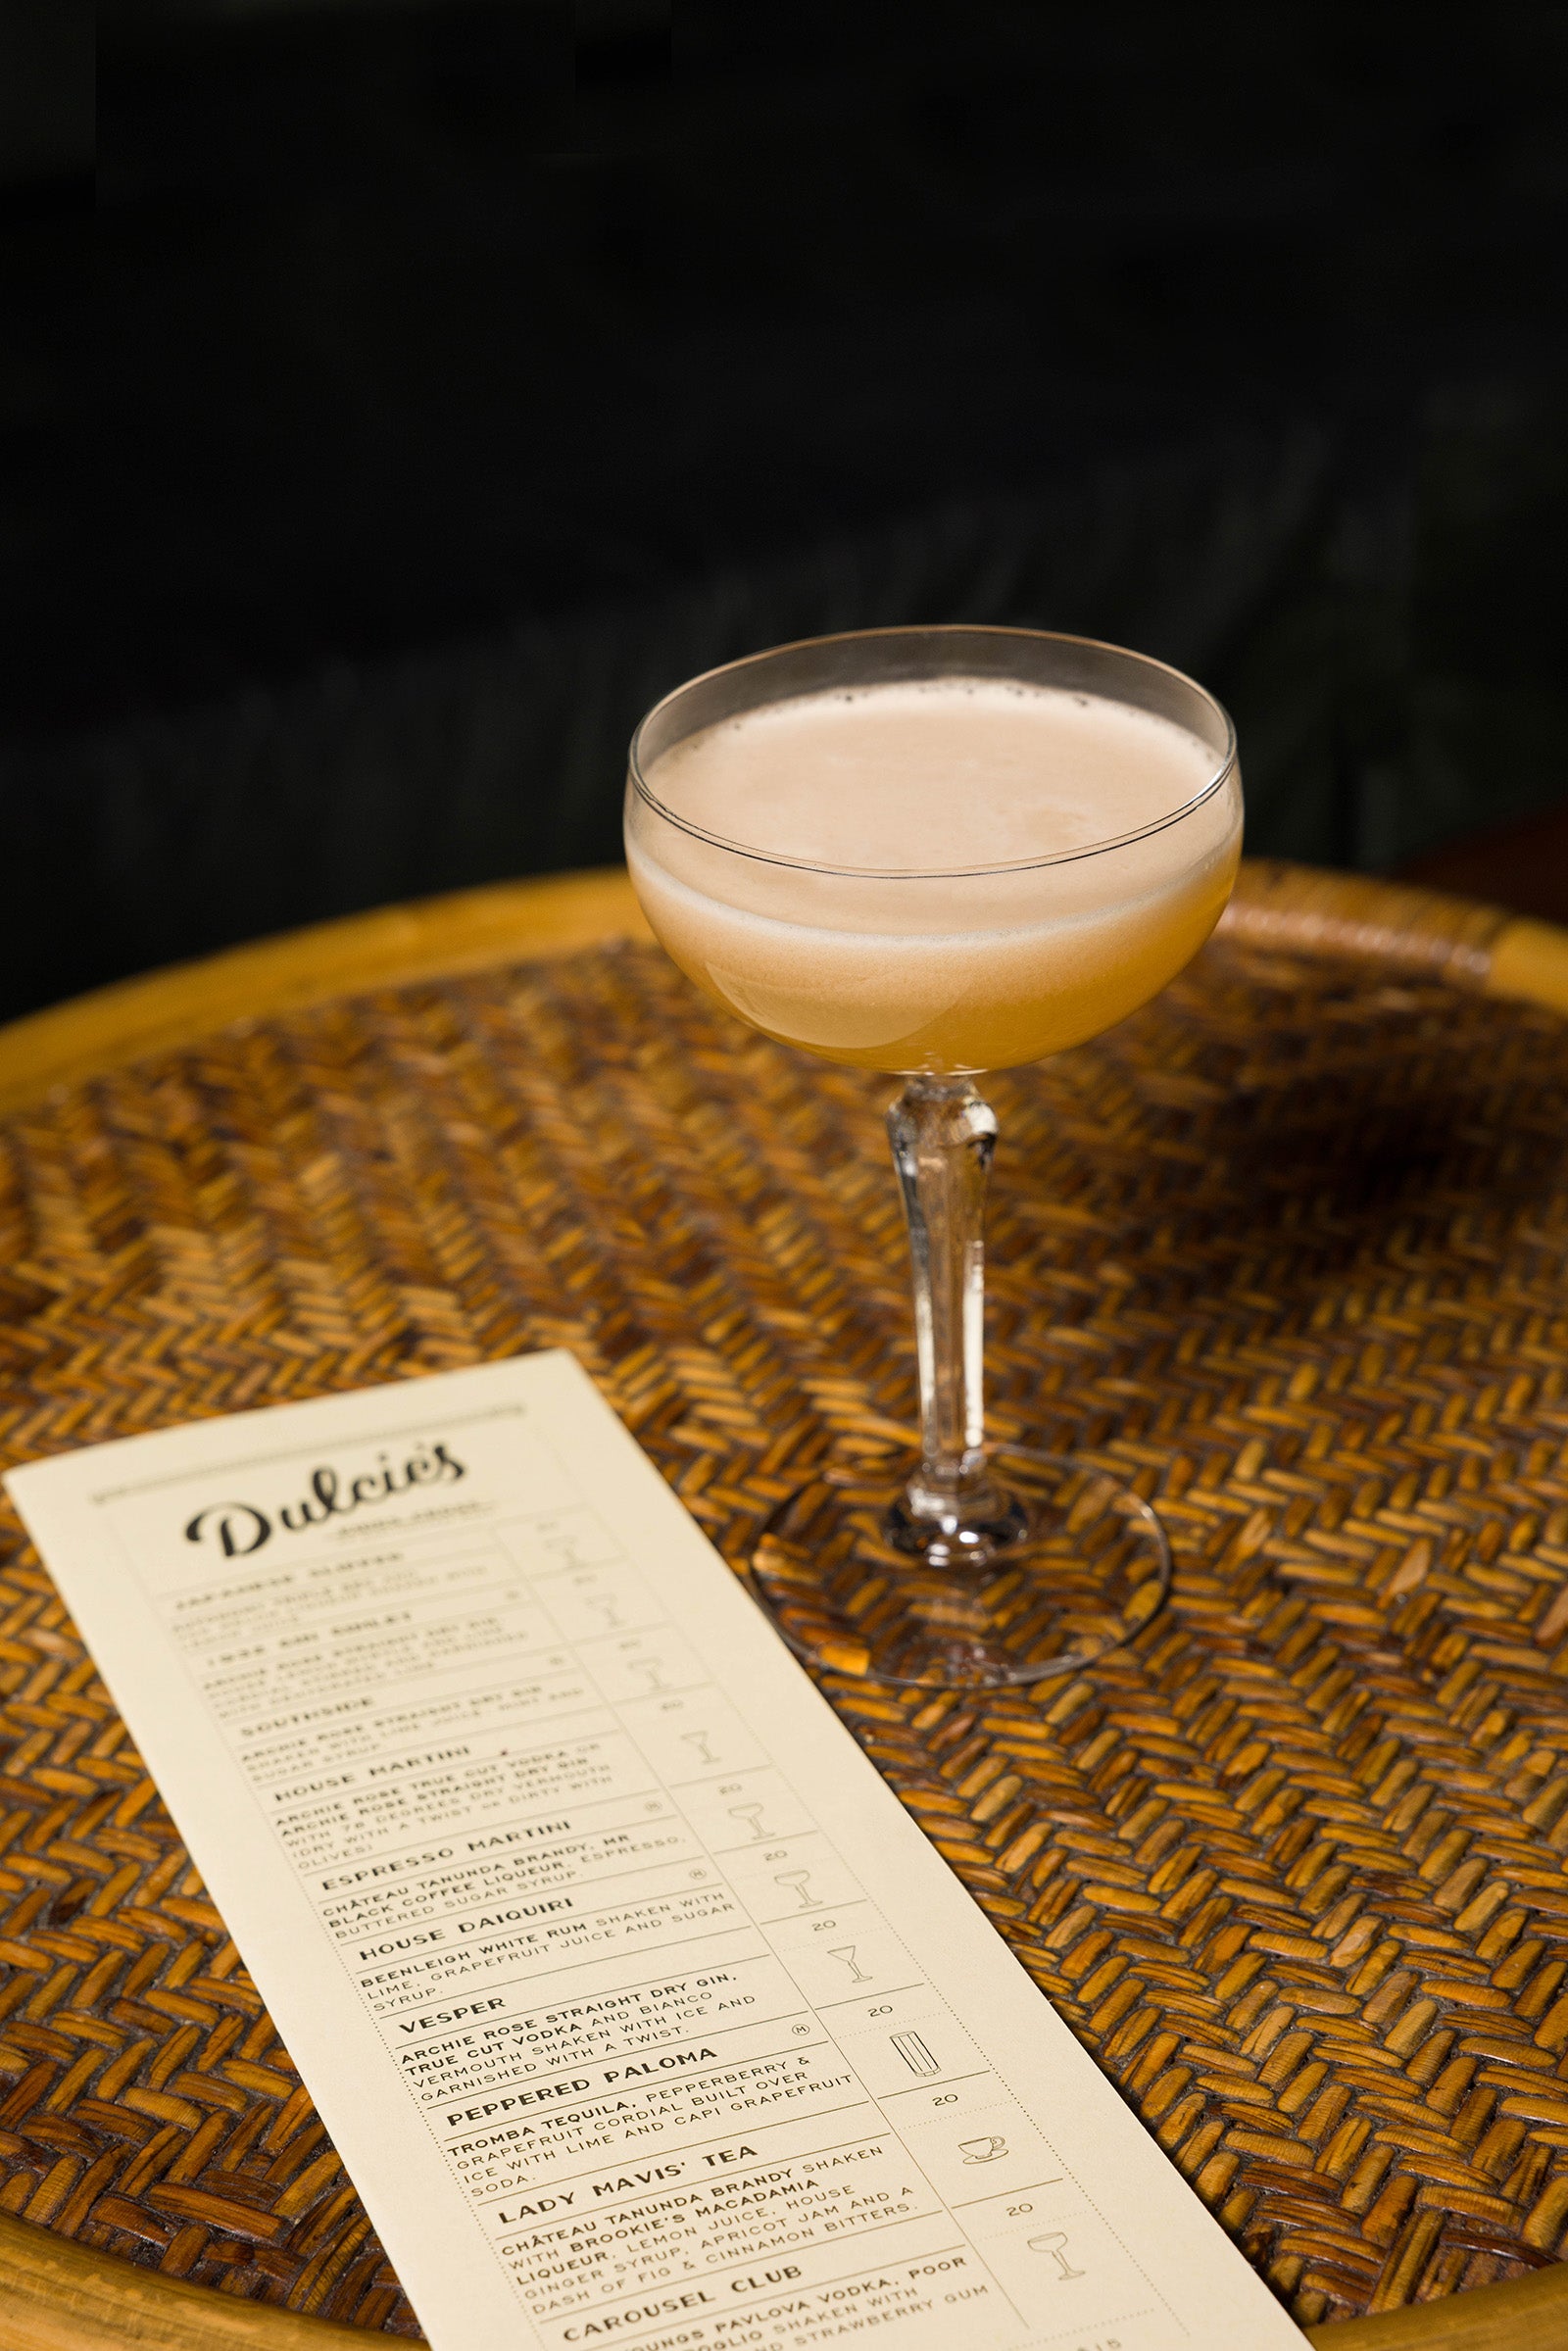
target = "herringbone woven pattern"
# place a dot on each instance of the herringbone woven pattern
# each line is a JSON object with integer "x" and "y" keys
{"x": 1289, "y": 1248}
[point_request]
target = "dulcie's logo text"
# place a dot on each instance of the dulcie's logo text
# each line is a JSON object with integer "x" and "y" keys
{"x": 239, "y": 1528}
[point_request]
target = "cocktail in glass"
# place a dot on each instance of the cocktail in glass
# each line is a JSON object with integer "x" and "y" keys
{"x": 936, "y": 852}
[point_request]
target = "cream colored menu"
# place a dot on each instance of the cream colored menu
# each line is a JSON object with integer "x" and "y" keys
{"x": 640, "y": 2011}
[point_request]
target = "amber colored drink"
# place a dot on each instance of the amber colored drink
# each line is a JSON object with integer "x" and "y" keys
{"x": 945, "y": 875}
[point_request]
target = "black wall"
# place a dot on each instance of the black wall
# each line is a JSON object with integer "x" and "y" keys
{"x": 445, "y": 381}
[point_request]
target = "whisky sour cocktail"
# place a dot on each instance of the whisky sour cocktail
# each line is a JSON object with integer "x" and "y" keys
{"x": 1046, "y": 938}
{"x": 938, "y": 852}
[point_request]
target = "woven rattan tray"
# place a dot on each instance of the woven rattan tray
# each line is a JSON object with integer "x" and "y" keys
{"x": 1290, "y": 1247}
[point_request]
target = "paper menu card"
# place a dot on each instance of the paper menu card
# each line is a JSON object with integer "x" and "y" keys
{"x": 639, "y": 2009}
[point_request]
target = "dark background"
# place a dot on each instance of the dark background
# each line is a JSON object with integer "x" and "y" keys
{"x": 436, "y": 384}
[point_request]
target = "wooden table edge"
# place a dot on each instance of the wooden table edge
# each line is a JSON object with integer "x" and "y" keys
{"x": 57, "y": 2295}
{"x": 160, "y": 1011}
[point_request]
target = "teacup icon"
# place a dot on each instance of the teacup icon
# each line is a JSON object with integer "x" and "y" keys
{"x": 982, "y": 2151}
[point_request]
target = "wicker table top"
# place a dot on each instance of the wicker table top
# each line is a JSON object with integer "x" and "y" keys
{"x": 1288, "y": 1249}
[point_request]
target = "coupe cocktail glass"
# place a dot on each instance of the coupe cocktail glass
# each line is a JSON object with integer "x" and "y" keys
{"x": 936, "y": 852}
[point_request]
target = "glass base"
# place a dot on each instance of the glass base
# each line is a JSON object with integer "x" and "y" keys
{"x": 1069, "y": 1565}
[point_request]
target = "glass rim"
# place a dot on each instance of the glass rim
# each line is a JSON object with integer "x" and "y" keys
{"x": 952, "y": 629}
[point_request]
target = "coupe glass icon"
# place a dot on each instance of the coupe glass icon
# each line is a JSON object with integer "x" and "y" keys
{"x": 1055, "y": 2242}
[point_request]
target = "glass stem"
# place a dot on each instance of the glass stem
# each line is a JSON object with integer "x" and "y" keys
{"x": 943, "y": 1134}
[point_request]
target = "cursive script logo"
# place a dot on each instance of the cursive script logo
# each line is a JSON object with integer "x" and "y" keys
{"x": 240, "y": 1527}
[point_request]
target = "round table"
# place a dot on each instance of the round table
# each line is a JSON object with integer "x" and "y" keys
{"x": 1287, "y": 1248}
